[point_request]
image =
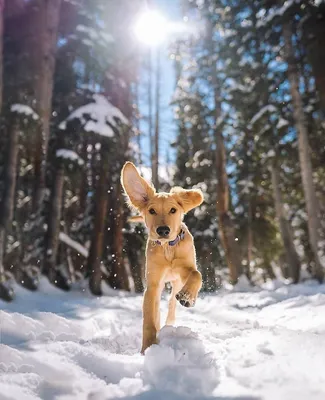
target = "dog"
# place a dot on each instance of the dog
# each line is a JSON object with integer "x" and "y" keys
{"x": 170, "y": 251}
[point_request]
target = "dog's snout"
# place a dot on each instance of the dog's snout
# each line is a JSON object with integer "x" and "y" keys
{"x": 163, "y": 231}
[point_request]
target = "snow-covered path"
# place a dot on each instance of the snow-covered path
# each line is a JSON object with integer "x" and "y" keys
{"x": 266, "y": 344}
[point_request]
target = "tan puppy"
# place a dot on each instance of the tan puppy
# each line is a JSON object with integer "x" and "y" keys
{"x": 170, "y": 252}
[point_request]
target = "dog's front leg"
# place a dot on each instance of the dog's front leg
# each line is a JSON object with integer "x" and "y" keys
{"x": 151, "y": 315}
{"x": 192, "y": 281}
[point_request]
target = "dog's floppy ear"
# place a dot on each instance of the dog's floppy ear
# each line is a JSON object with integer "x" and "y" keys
{"x": 136, "y": 188}
{"x": 188, "y": 199}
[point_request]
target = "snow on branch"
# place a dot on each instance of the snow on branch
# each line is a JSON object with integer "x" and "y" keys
{"x": 282, "y": 123}
{"x": 235, "y": 86}
{"x": 64, "y": 238}
{"x": 276, "y": 12}
{"x": 103, "y": 117}
{"x": 69, "y": 155}
{"x": 257, "y": 116}
{"x": 24, "y": 109}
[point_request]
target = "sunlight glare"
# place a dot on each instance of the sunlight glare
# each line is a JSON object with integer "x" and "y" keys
{"x": 151, "y": 28}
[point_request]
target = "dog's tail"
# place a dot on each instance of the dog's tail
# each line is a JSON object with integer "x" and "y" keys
{"x": 136, "y": 219}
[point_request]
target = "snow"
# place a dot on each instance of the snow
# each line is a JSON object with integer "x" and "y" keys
{"x": 269, "y": 108}
{"x": 309, "y": 108}
{"x": 63, "y": 237}
{"x": 103, "y": 116}
{"x": 235, "y": 86}
{"x": 241, "y": 343}
{"x": 69, "y": 155}
{"x": 276, "y": 12}
{"x": 25, "y": 110}
{"x": 282, "y": 123}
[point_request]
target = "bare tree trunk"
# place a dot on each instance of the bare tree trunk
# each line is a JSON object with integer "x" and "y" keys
{"x": 151, "y": 155}
{"x": 136, "y": 271}
{"x": 14, "y": 7}
{"x": 2, "y": 222}
{"x": 84, "y": 187}
{"x": 2, "y": 6}
{"x": 137, "y": 122}
{"x": 56, "y": 276}
{"x": 250, "y": 240}
{"x": 48, "y": 20}
{"x": 269, "y": 271}
{"x": 136, "y": 260}
{"x": 7, "y": 205}
{"x": 119, "y": 278}
{"x": 227, "y": 230}
{"x": 304, "y": 152}
{"x": 155, "y": 169}
{"x": 314, "y": 38}
{"x": 211, "y": 284}
{"x": 226, "y": 225}
{"x": 53, "y": 231}
{"x": 285, "y": 228}
{"x": 97, "y": 242}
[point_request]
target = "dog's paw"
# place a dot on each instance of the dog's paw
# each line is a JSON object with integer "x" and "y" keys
{"x": 185, "y": 298}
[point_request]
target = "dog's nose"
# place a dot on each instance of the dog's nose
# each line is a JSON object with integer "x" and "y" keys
{"x": 163, "y": 231}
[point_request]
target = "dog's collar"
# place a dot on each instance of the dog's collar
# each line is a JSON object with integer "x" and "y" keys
{"x": 179, "y": 237}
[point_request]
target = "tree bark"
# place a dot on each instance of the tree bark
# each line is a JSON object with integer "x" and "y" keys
{"x": 269, "y": 271}
{"x": 55, "y": 219}
{"x": 2, "y": 6}
{"x": 304, "y": 153}
{"x": 7, "y": 205}
{"x": 314, "y": 39}
{"x": 2, "y": 222}
{"x": 97, "y": 242}
{"x": 46, "y": 38}
{"x": 14, "y": 7}
{"x": 119, "y": 278}
{"x": 285, "y": 228}
{"x": 226, "y": 225}
{"x": 84, "y": 186}
{"x": 137, "y": 270}
{"x": 155, "y": 169}
{"x": 250, "y": 240}
{"x": 151, "y": 147}
{"x": 211, "y": 284}
{"x": 137, "y": 122}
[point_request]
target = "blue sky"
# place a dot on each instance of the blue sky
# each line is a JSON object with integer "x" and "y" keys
{"x": 171, "y": 11}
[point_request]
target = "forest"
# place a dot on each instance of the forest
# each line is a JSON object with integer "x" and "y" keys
{"x": 249, "y": 111}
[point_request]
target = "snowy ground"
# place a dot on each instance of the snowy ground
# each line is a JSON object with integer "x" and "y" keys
{"x": 266, "y": 344}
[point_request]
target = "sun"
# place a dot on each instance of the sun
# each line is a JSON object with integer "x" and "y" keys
{"x": 151, "y": 28}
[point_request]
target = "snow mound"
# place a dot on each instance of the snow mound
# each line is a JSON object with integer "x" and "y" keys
{"x": 180, "y": 364}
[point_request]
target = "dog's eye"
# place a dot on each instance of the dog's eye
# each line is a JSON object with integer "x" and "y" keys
{"x": 152, "y": 211}
{"x": 173, "y": 210}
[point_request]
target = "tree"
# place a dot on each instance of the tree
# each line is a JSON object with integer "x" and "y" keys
{"x": 45, "y": 41}
{"x": 314, "y": 40}
{"x": 65, "y": 160}
{"x": 101, "y": 118}
{"x": 227, "y": 229}
{"x": 285, "y": 228}
{"x": 304, "y": 152}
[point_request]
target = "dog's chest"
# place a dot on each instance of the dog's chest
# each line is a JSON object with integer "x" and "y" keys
{"x": 169, "y": 253}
